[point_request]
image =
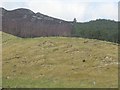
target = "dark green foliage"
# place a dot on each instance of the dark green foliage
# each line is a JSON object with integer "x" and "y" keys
{"x": 100, "y": 29}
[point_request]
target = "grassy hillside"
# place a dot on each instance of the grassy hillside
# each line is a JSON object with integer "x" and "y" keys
{"x": 51, "y": 62}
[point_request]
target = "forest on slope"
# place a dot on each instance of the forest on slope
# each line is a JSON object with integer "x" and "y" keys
{"x": 25, "y": 23}
{"x": 100, "y": 29}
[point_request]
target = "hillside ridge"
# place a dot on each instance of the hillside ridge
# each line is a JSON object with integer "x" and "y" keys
{"x": 25, "y": 23}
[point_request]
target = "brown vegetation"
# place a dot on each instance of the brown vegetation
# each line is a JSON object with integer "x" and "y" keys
{"x": 25, "y": 23}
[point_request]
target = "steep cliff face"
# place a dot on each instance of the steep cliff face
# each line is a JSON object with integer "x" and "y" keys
{"x": 25, "y": 23}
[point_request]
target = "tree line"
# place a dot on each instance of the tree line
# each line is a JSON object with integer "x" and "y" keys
{"x": 101, "y": 29}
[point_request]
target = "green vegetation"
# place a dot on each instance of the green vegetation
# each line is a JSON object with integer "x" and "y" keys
{"x": 99, "y": 29}
{"x": 57, "y": 62}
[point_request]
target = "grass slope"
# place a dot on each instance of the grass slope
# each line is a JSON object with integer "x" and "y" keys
{"x": 57, "y": 62}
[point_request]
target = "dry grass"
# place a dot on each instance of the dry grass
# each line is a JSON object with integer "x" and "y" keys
{"x": 51, "y": 62}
